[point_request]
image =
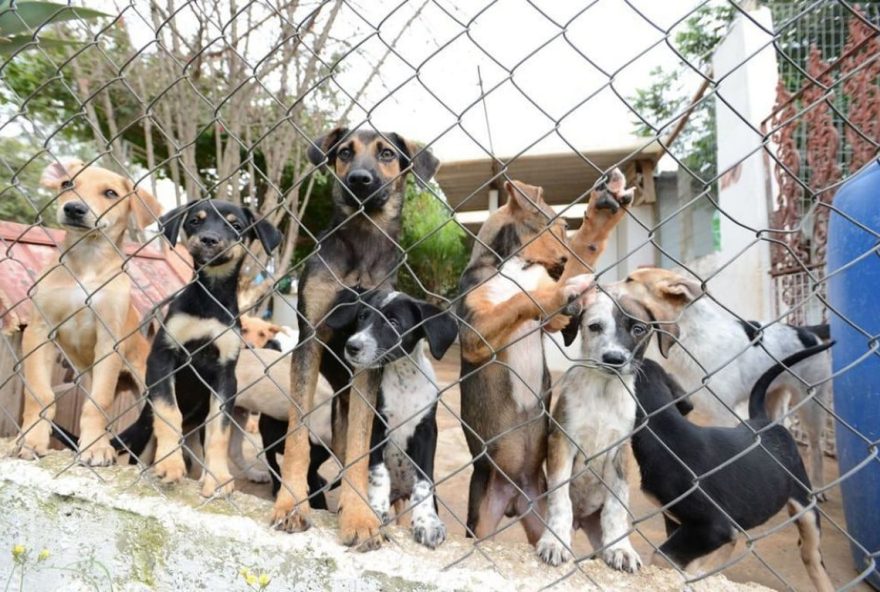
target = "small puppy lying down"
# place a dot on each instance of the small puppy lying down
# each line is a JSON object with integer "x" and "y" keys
{"x": 592, "y": 419}
{"x": 715, "y": 482}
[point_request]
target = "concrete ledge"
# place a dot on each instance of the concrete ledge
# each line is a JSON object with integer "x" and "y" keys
{"x": 116, "y": 526}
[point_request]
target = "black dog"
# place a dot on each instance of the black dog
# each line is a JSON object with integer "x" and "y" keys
{"x": 191, "y": 366}
{"x": 704, "y": 506}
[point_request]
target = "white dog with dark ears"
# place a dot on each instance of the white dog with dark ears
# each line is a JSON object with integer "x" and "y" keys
{"x": 700, "y": 339}
{"x": 593, "y": 418}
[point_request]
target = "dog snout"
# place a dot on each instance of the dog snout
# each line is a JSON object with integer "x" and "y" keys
{"x": 353, "y": 347}
{"x": 613, "y": 358}
{"x": 75, "y": 210}
{"x": 209, "y": 239}
{"x": 359, "y": 178}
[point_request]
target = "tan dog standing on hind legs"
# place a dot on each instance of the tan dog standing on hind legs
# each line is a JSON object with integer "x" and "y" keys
{"x": 523, "y": 271}
{"x": 358, "y": 250}
{"x": 82, "y": 303}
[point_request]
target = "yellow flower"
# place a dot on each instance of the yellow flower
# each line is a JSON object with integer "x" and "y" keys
{"x": 18, "y": 551}
{"x": 44, "y": 555}
{"x": 264, "y": 580}
{"x": 251, "y": 579}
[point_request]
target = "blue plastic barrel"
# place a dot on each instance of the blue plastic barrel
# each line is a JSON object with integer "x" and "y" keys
{"x": 855, "y": 293}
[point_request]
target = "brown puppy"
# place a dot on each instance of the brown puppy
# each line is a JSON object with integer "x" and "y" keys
{"x": 82, "y": 304}
{"x": 256, "y": 332}
{"x": 522, "y": 273}
{"x": 358, "y": 250}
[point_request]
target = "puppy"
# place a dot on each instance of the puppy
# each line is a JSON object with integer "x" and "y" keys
{"x": 359, "y": 249}
{"x": 522, "y": 273}
{"x": 593, "y": 418}
{"x": 83, "y": 301}
{"x": 191, "y": 367}
{"x": 389, "y": 332}
{"x": 732, "y": 353}
{"x": 259, "y": 333}
{"x": 714, "y": 482}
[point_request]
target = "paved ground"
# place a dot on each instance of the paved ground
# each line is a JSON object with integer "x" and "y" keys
{"x": 776, "y": 553}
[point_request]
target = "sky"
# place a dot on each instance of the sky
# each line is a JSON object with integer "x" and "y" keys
{"x": 545, "y": 67}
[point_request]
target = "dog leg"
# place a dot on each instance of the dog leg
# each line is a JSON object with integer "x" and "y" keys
{"x": 533, "y": 506}
{"x": 618, "y": 551}
{"x": 427, "y": 528}
{"x": 94, "y": 441}
{"x": 554, "y": 547}
{"x": 358, "y": 524}
{"x": 167, "y": 419}
{"x": 379, "y": 494}
{"x": 216, "y": 478}
{"x": 497, "y": 496}
{"x": 39, "y": 399}
{"x": 689, "y": 543}
{"x": 812, "y": 418}
{"x": 810, "y": 537}
{"x": 253, "y": 471}
{"x": 291, "y": 511}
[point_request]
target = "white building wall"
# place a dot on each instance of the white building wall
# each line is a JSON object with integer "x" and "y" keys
{"x": 745, "y": 64}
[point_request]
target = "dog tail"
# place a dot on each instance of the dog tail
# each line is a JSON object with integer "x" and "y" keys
{"x": 757, "y": 398}
{"x": 136, "y": 436}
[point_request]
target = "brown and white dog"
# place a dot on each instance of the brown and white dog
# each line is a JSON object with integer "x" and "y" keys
{"x": 522, "y": 274}
{"x": 731, "y": 354}
{"x": 82, "y": 305}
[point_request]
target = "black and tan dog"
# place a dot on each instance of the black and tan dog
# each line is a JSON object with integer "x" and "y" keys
{"x": 522, "y": 273}
{"x": 358, "y": 250}
{"x": 191, "y": 367}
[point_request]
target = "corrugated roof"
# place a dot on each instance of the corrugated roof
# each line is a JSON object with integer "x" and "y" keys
{"x": 156, "y": 271}
{"x": 565, "y": 177}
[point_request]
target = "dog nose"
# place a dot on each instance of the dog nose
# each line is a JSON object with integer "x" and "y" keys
{"x": 75, "y": 209}
{"x": 613, "y": 358}
{"x": 360, "y": 177}
{"x": 209, "y": 239}
{"x": 353, "y": 347}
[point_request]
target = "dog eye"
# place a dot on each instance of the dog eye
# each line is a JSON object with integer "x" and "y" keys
{"x": 66, "y": 184}
{"x": 344, "y": 153}
{"x": 638, "y": 330}
{"x": 387, "y": 154}
{"x": 237, "y": 226}
{"x": 111, "y": 194}
{"x": 595, "y": 327}
{"x": 394, "y": 323}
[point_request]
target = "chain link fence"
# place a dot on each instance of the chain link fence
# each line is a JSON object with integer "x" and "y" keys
{"x": 314, "y": 127}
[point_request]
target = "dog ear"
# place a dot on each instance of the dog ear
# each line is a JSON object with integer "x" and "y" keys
{"x": 345, "y": 310}
{"x": 58, "y": 172}
{"x": 524, "y": 197}
{"x": 570, "y": 332}
{"x": 439, "y": 328}
{"x": 667, "y": 336}
{"x": 680, "y": 288}
{"x": 171, "y": 222}
{"x": 324, "y": 148}
{"x": 269, "y": 236}
{"x": 682, "y": 402}
{"x": 424, "y": 163}
{"x": 145, "y": 207}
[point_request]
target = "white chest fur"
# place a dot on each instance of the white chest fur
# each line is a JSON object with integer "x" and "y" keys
{"x": 409, "y": 390}
{"x": 525, "y": 351}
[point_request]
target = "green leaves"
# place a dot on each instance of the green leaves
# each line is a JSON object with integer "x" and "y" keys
{"x": 20, "y": 25}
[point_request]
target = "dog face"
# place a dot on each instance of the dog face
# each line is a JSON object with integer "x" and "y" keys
{"x": 369, "y": 166}
{"x": 91, "y": 198}
{"x": 214, "y": 232}
{"x": 665, "y": 294}
{"x": 256, "y": 332}
{"x": 615, "y": 333}
{"x": 388, "y": 325}
{"x": 522, "y": 227}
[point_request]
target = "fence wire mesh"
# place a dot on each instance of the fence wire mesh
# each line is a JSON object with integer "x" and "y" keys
{"x": 332, "y": 238}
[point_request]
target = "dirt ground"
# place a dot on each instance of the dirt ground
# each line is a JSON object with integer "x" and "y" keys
{"x": 773, "y": 561}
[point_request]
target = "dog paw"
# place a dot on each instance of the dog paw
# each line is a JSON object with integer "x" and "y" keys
{"x": 577, "y": 293}
{"x": 99, "y": 454}
{"x": 221, "y": 484}
{"x": 289, "y": 517}
{"x": 170, "y": 469}
{"x": 429, "y": 531}
{"x": 34, "y": 443}
{"x": 360, "y": 529}
{"x": 552, "y": 552}
{"x": 622, "y": 558}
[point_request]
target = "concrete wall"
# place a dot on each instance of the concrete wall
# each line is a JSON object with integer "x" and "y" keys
{"x": 116, "y": 527}
{"x": 745, "y": 66}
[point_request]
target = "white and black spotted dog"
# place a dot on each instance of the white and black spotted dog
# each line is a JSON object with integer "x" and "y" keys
{"x": 593, "y": 418}
{"x": 389, "y": 330}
